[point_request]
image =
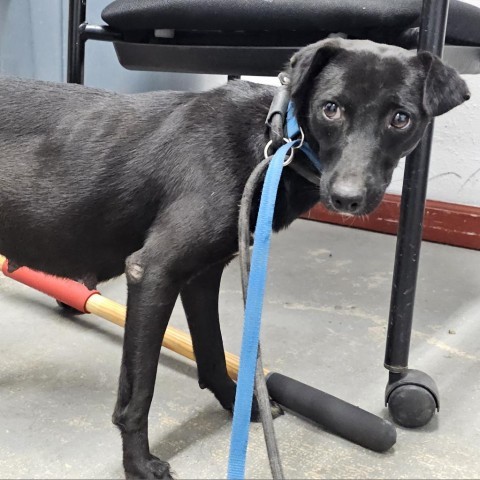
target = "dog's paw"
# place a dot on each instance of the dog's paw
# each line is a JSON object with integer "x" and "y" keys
{"x": 223, "y": 390}
{"x": 151, "y": 469}
{"x": 277, "y": 410}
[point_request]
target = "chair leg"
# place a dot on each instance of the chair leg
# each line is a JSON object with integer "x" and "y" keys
{"x": 76, "y": 44}
{"x": 411, "y": 395}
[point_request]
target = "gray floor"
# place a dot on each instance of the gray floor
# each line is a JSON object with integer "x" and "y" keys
{"x": 324, "y": 324}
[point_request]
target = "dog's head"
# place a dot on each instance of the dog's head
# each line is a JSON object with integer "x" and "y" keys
{"x": 363, "y": 106}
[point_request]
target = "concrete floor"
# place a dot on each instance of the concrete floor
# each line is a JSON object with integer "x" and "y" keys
{"x": 324, "y": 324}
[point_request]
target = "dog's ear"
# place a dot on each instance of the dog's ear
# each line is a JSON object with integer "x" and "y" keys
{"x": 307, "y": 63}
{"x": 443, "y": 89}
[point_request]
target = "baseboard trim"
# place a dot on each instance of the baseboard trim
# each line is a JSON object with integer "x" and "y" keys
{"x": 447, "y": 223}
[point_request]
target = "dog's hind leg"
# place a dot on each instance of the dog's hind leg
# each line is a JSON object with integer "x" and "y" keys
{"x": 200, "y": 302}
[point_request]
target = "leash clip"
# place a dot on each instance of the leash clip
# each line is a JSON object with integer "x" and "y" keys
{"x": 296, "y": 144}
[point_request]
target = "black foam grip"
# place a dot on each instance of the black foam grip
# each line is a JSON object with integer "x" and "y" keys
{"x": 335, "y": 415}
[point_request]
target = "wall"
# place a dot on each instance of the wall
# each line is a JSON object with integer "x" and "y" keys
{"x": 31, "y": 38}
{"x": 455, "y": 164}
{"x": 33, "y": 42}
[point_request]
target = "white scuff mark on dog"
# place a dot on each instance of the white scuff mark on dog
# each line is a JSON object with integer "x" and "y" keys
{"x": 134, "y": 272}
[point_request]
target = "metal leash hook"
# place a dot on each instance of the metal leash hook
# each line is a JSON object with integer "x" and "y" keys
{"x": 296, "y": 145}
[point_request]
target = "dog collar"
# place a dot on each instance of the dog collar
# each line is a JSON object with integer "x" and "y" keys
{"x": 293, "y": 130}
{"x": 283, "y": 126}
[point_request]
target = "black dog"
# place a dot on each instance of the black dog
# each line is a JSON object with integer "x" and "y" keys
{"x": 95, "y": 184}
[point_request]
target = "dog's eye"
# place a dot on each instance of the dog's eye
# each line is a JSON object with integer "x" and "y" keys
{"x": 332, "y": 111}
{"x": 400, "y": 120}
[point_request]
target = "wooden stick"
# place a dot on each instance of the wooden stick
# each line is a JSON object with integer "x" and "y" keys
{"x": 175, "y": 340}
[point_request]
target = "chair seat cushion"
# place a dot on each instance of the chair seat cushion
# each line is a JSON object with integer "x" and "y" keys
{"x": 344, "y": 16}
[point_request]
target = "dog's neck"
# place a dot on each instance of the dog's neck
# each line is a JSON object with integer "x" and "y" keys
{"x": 296, "y": 194}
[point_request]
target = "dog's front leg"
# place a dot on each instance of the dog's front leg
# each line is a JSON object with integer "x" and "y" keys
{"x": 151, "y": 297}
{"x": 200, "y": 302}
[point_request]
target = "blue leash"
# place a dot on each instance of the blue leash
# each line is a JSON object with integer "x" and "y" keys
{"x": 255, "y": 296}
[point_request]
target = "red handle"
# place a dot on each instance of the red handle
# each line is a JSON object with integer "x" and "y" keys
{"x": 64, "y": 290}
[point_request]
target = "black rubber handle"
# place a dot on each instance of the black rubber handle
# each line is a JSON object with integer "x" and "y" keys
{"x": 335, "y": 415}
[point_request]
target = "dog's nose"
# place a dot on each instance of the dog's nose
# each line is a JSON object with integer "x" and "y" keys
{"x": 347, "y": 198}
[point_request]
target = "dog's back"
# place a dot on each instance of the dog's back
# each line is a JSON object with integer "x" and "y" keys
{"x": 84, "y": 172}
{"x": 71, "y": 161}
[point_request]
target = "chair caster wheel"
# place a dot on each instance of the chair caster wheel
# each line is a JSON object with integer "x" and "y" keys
{"x": 412, "y": 398}
{"x": 411, "y": 406}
